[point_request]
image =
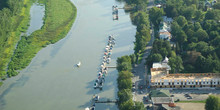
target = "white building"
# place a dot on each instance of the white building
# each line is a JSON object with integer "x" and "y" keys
{"x": 160, "y": 78}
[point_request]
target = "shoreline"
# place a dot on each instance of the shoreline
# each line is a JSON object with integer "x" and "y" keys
{"x": 32, "y": 44}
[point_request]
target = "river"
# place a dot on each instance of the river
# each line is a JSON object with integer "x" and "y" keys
{"x": 51, "y": 82}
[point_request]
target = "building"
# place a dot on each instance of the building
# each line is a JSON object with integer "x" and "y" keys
{"x": 165, "y": 28}
{"x": 161, "y": 100}
{"x": 165, "y": 35}
{"x": 160, "y": 78}
{"x": 186, "y": 80}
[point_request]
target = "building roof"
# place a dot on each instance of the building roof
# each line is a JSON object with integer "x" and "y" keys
{"x": 161, "y": 65}
{"x": 166, "y": 19}
{"x": 162, "y": 100}
{"x": 159, "y": 93}
{"x": 166, "y": 60}
{"x": 190, "y": 76}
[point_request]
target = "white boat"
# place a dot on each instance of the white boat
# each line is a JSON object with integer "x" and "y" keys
{"x": 78, "y": 65}
{"x": 96, "y": 97}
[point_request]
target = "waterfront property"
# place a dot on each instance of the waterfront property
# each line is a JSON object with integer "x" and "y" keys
{"x": 160, "y": 78}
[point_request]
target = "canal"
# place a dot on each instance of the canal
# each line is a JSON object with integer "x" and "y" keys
{"x": 52, "y": 82}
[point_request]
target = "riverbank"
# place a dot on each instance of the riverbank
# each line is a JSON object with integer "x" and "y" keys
{"x": 57, "y": 22}
{"x": 16, "y": 24}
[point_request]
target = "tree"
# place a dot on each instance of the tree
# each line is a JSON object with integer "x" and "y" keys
{"x": 212, "y": 15}
{"x": 124, "y": 95}
{"x": 139, "y": 106}
{"x": 124, "y": 63}
{"x": 200, "y": 62}
{"x": 181, "y": 20}
{"x": 179, "y": 64}
{"x": 201, "y": 35}
{"x": 176, "y": 64}
{"x": 172, "y": 64}
{"x": 188, "y": 12}
{"x": 216, "y": 5}
{"x": 125, "y": 84}
{"x": 125, "y": 66}
{"x": 157, "y": 57}
{"x": 197, "y": 26}
{"x": 212, "y": 103}
{"x": 181, "y": 37}
{"x": 128, "y": 105}
{"x": 124, "y": 75}
{"x": 199, "y": 15}
{"x": 175, "y": 29}
{"x": 155, "y": 15}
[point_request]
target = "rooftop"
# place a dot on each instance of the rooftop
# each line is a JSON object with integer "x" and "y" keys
{"x": 162, "y": 100}
{"x": 159, "y": 93}
{"x": 161, "y": 65}
{"x": 192, "y": 76}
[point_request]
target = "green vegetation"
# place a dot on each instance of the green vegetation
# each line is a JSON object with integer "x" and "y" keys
{"x": 125, "y": 85}
{"x": 193, "y": 101}
{"x": 212, "y": 103}
{"x": 140, "y": 18}
{"x": 59, "y": 17}
{"x": 196, "y": 32}
{"x": 14, "y": 20}
{"x": 1, "y": 84}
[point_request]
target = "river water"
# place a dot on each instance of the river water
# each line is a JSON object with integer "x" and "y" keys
{"x": 52, "y": 82}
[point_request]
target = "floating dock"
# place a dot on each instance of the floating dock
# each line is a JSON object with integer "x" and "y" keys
{"x": 99, "y": 82}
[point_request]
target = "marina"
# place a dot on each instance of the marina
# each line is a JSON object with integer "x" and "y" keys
{"x": 106, "y": 60}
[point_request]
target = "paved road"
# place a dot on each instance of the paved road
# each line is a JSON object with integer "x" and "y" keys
{"x": 140, "y": 70}
{"x": 140, "y": 74}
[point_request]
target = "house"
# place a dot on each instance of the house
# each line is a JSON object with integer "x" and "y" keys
{"x": 165, "y": 29}
{"x": 165, "y": 35}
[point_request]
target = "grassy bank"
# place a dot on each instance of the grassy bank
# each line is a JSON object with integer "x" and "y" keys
{"x": 17, "y": 23}
{"x": 59, "y": 17}
{"x": 193, "y": 101}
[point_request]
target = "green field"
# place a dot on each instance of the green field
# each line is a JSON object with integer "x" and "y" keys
{"x": 59, "y": 17}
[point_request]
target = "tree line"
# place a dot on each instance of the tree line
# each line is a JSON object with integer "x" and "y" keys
{"x": 124, "y": 67}
{"x": 140, "y": 18}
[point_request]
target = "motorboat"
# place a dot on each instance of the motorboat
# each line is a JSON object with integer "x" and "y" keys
{"x": 78, "y": 65}
{"x": 96, "y": 97}
{"x": 95, "y": 85}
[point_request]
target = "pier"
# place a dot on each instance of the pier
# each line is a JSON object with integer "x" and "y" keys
{"x": 95, "y": 99}
{"x": 107, "y": 101}
{"x": 111, "y": 66}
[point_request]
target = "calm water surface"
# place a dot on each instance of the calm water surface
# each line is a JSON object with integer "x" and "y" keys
{"x": 51, "y": 82}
